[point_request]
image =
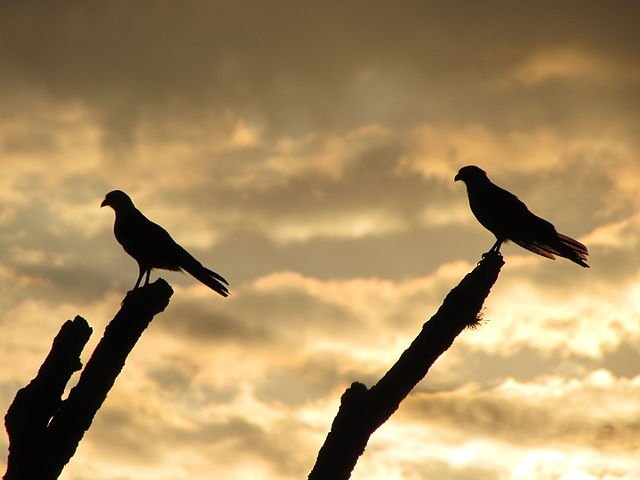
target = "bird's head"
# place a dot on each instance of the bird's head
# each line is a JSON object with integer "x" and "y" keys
{"x": 117, "y": 199}
{"x": 470, "y": 174}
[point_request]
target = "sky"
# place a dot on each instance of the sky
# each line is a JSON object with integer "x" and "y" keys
{"x": 306, "y": 151}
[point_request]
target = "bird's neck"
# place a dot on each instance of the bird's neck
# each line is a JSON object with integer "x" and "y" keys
{"x": 478, "y": 186}
{"x": 125, "y": 214}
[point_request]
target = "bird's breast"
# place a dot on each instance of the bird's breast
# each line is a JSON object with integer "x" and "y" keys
{"x": 488, "y": 212}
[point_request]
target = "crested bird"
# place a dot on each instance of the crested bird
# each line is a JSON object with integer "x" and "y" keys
{"x": 508, "y": 218}
{"x": 152, "y": 247}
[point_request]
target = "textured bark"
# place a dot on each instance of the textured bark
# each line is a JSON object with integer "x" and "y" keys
{"x": 44, "y": 431}
{"x": 363, "y": 410}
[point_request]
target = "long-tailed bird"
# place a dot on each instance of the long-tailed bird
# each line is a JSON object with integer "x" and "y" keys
{"x": 152, "y": 246}
{"x": 504, "y": 215}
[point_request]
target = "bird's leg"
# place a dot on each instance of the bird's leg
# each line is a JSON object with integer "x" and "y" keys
{"x": 146, "y": 281}
{"x": 496, "y": 246}
{"x": 494, "y": 249}
{"x": 141, "y": 269}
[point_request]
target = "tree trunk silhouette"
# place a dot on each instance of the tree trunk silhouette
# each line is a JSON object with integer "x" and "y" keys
{"x": 363, "y": 410}
{"x": 44, "y": 431}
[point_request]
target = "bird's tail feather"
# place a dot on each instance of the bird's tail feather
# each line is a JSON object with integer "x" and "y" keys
{"x": 575, "y": 245}
{"x": 210, "y": 278}
{"x": 575, "y": 251}
{"x": 566, "y": 247}
{"x": 217, "y": 276}
{"x": 538, "y": 247}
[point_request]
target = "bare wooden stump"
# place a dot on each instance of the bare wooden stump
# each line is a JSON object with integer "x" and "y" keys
{"x": 44, "y": 430}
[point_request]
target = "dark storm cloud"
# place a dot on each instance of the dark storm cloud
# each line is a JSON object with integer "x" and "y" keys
{"x": 464, "y": 364}
{"x": 175, "y": 374}
{"x": 259, "y": 133}
{"x": 623, "y": 360}
{"x": 141, "y": 439}
{"x": 269, "y": 319}
{"x": 573, "y": 196}
{"x": 518, "y": 421}
{"x": 445, "y": 471}
{"x": 238, "y": 440}
{"x": 417, "y": 212}
{"x": 613, "y": 266}
{"x": 313, "y": 377}
{"x": 33, "y": 142}
{"x": 370, "y": 182}
{"x": 53, "y": 259}
{"x": 328, "y": 63}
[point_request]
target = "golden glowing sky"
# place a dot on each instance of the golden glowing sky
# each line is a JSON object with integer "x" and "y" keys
{"x": 306, "y": 151}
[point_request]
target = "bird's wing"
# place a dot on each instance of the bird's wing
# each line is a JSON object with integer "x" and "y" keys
{"x": 579, "y": 248}
{"x": 507, "y": 205}
{"x": 508, "y": 218}
{"x": 498, "y": 210}
{"x": 153, "y": 247}
{"x": 163, "y": 251}
{"x": 540, "y": 236}
{"x": 561, "y": 246}
{"x": 147, "y": 242}
{"x": 537, "y": 247}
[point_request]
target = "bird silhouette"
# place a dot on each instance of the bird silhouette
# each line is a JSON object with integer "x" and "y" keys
{"x": 504, "y": 215}
{"x": 152, "y": 246}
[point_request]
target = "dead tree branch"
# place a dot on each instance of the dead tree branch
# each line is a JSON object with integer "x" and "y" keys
{"x": 44, "y": 431}
{"x": 363, "y": 410}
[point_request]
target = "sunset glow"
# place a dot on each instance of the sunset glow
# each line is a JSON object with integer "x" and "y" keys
{"x": 306, "y": 151}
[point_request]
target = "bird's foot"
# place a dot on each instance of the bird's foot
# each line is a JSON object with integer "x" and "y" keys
{"x": 491, "y": 253}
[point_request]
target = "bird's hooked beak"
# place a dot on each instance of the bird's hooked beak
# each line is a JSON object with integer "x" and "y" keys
{"x": 104, "y": 203}
{"x": 457, "y": 177}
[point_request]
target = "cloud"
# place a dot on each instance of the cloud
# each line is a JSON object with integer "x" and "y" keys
{"x": 128, "y": 62}
{"x": 189, "y": 437}
{"x": 616, "y": 235}
{"x": 570, "y": 65}
{"x": 543, "y": 413}
{"x": 288, "y": 307}
{"x": 308, "y": 156}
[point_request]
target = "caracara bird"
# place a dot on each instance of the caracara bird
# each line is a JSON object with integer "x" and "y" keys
{"x": 152, "y": 246}
{"x": 504, "y": 215}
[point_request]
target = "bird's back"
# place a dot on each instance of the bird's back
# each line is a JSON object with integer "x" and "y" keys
{"x": 495, "y": 208}
{"x": 147, "y": 242}
{"x": 507, "y": 217}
